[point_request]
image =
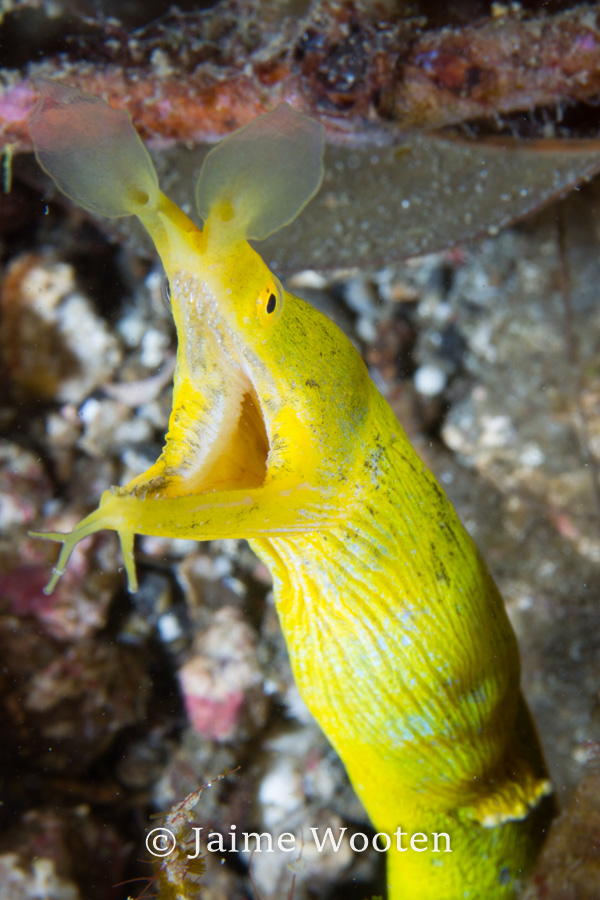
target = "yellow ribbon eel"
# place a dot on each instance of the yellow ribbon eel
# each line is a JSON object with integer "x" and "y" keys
{"x": 398, "y": 637}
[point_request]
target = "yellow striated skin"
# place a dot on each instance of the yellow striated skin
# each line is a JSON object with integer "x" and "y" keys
{"x": 398, "y": 637}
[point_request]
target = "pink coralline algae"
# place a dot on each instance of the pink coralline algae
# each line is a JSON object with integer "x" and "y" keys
{"x": 221, "y": 683}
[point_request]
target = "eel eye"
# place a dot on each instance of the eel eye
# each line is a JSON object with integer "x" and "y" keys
{"x": 269, "y": 302}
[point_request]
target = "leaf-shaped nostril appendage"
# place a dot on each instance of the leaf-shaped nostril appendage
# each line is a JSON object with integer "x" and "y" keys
{"x": 92, "y": 152}
{"x": 261, "y": 177}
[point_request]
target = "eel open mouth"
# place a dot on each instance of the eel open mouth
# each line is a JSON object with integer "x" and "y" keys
{"x": 214, "y": 444}
{"x": 218, "y": 437}
{"x": 238, "y": 455}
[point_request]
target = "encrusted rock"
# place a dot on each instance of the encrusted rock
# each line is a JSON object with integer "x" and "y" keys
{"x": 221, "y": 682}
{"x": 54, "y": 345}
